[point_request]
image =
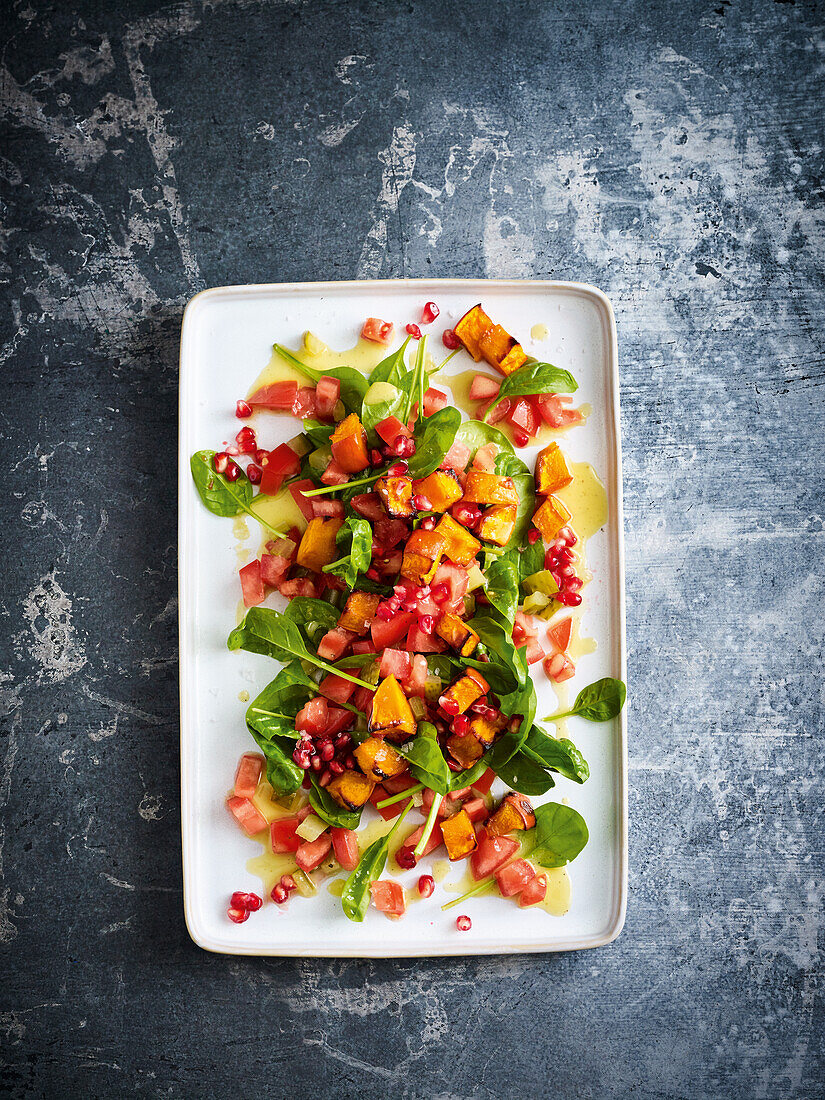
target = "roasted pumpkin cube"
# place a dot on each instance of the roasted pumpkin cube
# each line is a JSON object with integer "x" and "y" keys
{"x": 459, "y": 545}
{"x": 441, "y": 489}
{"x": 552, "y": 472}
{"x": 318, "y": 547}
{"x": 550, "y": 518}
{"x": 392, "y": 716}
{"x": 456, "y": 633}
{"x": 497, "y": 523}
{"x": 472, "y": 745}
{"x": 515, "y": 812}
{"x": 470, "y": 328}
{"x": 459, "y": 835}
{"x": 396, "y": 493}
{"x": 349, "y": 445}
{"x": 351, "y": 790}
{"x": 465, "y": 691}
{"x": 501, "y": 350}
{"x": 482, "y": 488}
{"x": 379, "y": 760}
{"x": 422, "y": 554}
{"x": 359, "y": 612}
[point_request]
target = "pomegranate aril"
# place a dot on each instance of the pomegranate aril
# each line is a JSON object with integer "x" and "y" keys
{"x": 567, "y": 535}
{"x": 317, "y": 763}
{"x": 405, "y": 859}
{"x": 233, "y": 472}
{"x": 242, "y": 900}
{"x": 399, "y": 469}
{"x": 463, "y": 923}
{"x": 414, "y": 331}
{"x": 325, "y": 779}
{"x": 221, "y": 462}
{"x": 450, "y": 706}
{"x": 569, "y": 599}
{"x": 440, "y": 593}
{"x": 450, "y": 340}
{"x": 429, "y": 313}
{"x": 461, "y": 725}
{"x": 243, "y": 410}
{"x": 568, "y": 571}
{"x": 254, "y": 473}
{"x": 372, "y": 574}
{"x": 336, "y": 767}
{"x": 574, "y": 584}
{"x": 279, "y": 894}
{"x": 427, "y": 524}
{"x": 246, "y": 441}
{"x": 349, "y": 762}
{"x": 288, "y": 882}
{"x": 422, "y": 503}
{"x": 237, "y": 916}
{"x": 376, "y": 458}
{"x": 327, "y": 752}
{"x": 521, "y": 439}
{"x": 533, "y": 536}
{"x": 343, "y": 741}
{"x": 423, "y": 592}
{"x": 426, "y": 886}
{"x": 427, "y": 623}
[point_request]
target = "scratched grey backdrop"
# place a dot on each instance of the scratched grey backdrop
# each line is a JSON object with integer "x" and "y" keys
{"x": 669, "y": 153}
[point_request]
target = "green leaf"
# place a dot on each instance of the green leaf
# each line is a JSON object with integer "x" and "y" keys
{"x": 329, "y": 810}
{"x": 319, "y": 434}
{"x": 531, "y": 561}
{"x": 427, "y": 763}
{"x": 393, "y": 368}
{"x": 510, "y": 465}
{"x": 353, "y": 383}
{"x": 355, "y": 536}
{"x": 282, "y": 773}
{"x": 535, "y": 378}
{"x": 221, "y": 497}
{"x": 313, "y": 617}
{"x": 474, "y": 434}
{"x": 560, "y": 834}
{"x": 502, "y": 590}
{"x": 374, "y": 411}
{"x": 356, "y": 896}
{"x": 272, "y": 712}
{"x": 523, "y": 774}
{"x": 433, "y": 443}
{"x": 500, "y": 678}
{"x": 598, "y": 702}
{"x": 560, "y": 755}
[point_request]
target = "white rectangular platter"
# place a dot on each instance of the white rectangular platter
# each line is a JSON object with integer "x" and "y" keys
{"x": 226, "y": 341}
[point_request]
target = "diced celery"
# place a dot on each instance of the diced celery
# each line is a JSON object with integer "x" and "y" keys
{"x": 313, "y": 345}
{"x": 320, "y": 459}
{"x": 300, "y": 445}
{"x": 371, "y": 673}
{"x": 292, "y": 802}
{"x": 535, "y": 602}
{"x": 470, "y": 605}
{"x": 304, "y": 884}
{"x": 418, "y": 708}
{"x": 311, "y": 827}
{"x": 476, "y": 578}
{"x": 432, "y": 687}
{"x": 543, "y": 582}
{"x": 330, "y": 866}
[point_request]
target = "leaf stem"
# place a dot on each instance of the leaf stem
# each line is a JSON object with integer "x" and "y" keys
{"x": 293, "y": 361}
{"x": 230, "y": 488}
{"x": 399, "y": 797}
{"x": 336, "y": 671}
{"x": 429, "y": 824}
{"x": 338, "y": 488}
{"x": 479, "y": 888}
{"x": 558, "y": 717}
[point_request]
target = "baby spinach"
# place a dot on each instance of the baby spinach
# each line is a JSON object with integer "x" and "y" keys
{"x": 353, "y": 383}
{"x": 267, "y": 631}
{"x": 427, "y": 763}
{"x": 318, "y": 434}
{"x": 500, "y": 678}
{"x": 510, "y": 465}
{"x": 221, "y": 496}
{"x": 434, "y": 442}
{"x": 502, "y": 577}
{"x": 531, "y": 561}
{"x": 560, "y": 755}
{"x": 393, "y": 368}
{"x": 525, "y": 775}
{"x": 474, "y": 434}
{"x": 272, "y": 712}
{"x": 598, "y": 702}
{"x": 373, "y": 412}
{"x": 412, "y": 382}
{"x": 313, "y": 617}
{"x": 282, "y": 773}
{"x": 497, "y": 757}
{"x": 355, "y": 536}
{"x": 329, "y": 810}
{"x": 355, "y": 899}
{"x": 535, "y": 378}
{"x": 559, "y": 835}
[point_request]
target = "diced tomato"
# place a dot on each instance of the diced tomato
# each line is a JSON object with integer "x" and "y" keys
{"x": 394, "y": 662}
{"x": 298, "y": 586}
{"x": 336, "y": 688}
{"x": 534, "y": 892}
{"x": 388, "y": 897}
{"x": 338, "y": 720}
{"x": 476, "y": 810}
{"x": 406, "y": 851}
{"x": 282, "y": 835}
{"x": 485, "y": 458}
{"x": 534, "y": 651}
{"x": 322, "y": 507}
{"x": 370, "y": 506}
{"x": 456, "y": 578}
{"x": 416, "y": 682}
{"x": 492, "y": 852}
{"x": 389, "y": 565}
{"x": 559, "y": 634}
{"x": 457, "y": 457}
{"x": 298, "y": 488}
{"x": 335, "y": 644}
{"x": 247, "y": 814}
{"x": 483, "y": 784}
{"x": 398, "y": 783}
{"x": 380, "y": 332}
{"x": 248, "y": 774}
{"x": 499, "y": 412}
{"x": 274, "y": 569}
{"x": 391, "y": 429}
{"x": 362, "y": 699}
{"x": 559, "y": 667}
{"x": 252, "y": 584}
{"x": 514, "y": 877}
{"x": 312, "y": 717}
{"x": 334, "y": 474}
{"x": 386, "y": 634}
{"x": 427, "y": 797}
{"x": 523, "y": 415}
{"x": 280, "y": 464}
{"x": 345, "y": 848}
{"x": 434, "y": 401}
{"x": 284, "y": 548}
{"x": 419, "y": 642}
{"x": 379, "y": 793}
{"x": 279, "y": 396}
{"x": 389, "y": 531}
{"x": 553, "y": 412}
{"x": 312, "y": 853}
{"x": 483, "y": 388}
{"x": 363, "y": 645}
{"x": 327, "y": 396}
{"x": 527, "y": 625}
{"x": 304, "y": 404}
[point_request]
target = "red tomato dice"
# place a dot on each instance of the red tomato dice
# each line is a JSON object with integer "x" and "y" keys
{"x": 327, "y": 396}
{"x": 379, "y": 793}
{"x": 559, "y": 634}
{"x": 334, "y": 474}
{"x": 336, "y": 688}
{"x": 476, "y": 810}
{"x": 388, "y": 897}
{"x": 345, "y": 848}
{"x": 279, "y": 396}
{"x": 280, "y": 464}
{"x": 247, "y": 814}
{"x": 420, "y": 642}
{"x": 304, "y": 404}
{"x": 370, "y": 506}
{"x": 457, "y": 457}
{"x": 380, "y": 332}
{"x": 514, "y": 877}
{"x": 416, "y": 682}
{"x": 312, "y": 853}
{"x": 274, "y": 569}
{"x": 484, "y": 782}
{"x": 304, "y": 503}
{"x": 248, "y": 774}
{"x": 534, "y": 892}
{"x": 523, "y": 415}
{"x": 395, "y": 662}
{"x": 252, "y": 585}
{"x": 434, "y": 401}
{"x": 388, "y": 633}
{"x": 391, "y": 429}
{"x": 312, "y": 717}
{"x": 282, "y": 835}
{"x": 457, "y": 580}
{"x": 485, "y": 458}
{"x": 334, "y": 644}
{"x": 484, "y": 388}
{"x": 338, "y": 720}
{"x": 492, "y": 852}
{"x": 327, "y": 509}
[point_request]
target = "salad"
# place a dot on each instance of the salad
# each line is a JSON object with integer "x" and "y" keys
{"x": 411, "y": 596}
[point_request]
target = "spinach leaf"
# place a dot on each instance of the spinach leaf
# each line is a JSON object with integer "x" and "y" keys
{"x": 500, "y": 678}
{"x": 498, "y": 640}
{"x": 329, "y": 810}
{"x": 535, "y": 378}
{"x": 510, "y": 465}
{"x": 434, "y": 442}
{"x": 318, "y": 434}
{"x": 353, "y": 383}
{"x": 355, "y": 536}
{"x": 504, "y": 749}
{"x": 502, "y": 577}
{"x": 282, "y": 773}
{"x": 598, "y": 702}
{"x": 313, "y": 617}
{"x": 531, "y": 561}
{"x": 560, "y": 834}
{"x": 393, "y": 368}
{"x": 388, "y": 401}
{"x": 524, "y": 775}
{"x": 272, "y": 712}
{"x": 221, "y": 497}
{"x": 468, "y": 776}
{"x": 474, "y": 434}
{"x": 411, "y": 383}
{"x": 356, "y": 896}
{"x": 560, "y": 756}
{"x": 427, "y": 763}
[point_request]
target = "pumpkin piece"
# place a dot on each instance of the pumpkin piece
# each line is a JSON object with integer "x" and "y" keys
{"x": 460, "y": 546}
{"x": 498, "y": 523}
{"x": 351, "y": 790}
{"x": 515, "y": 812}
{"x": 552, "y": 472}
{"x": 472, "y": 745}
{"x": 421, "y": 556}
{"x": 396, "y": 493}
{"x": 391, "y": 715}
{"x": 349, "y": 445}
{"x": 318, "y": 547}
{"x": 379, "y": 760}
{"x": 501, "y": 350}
{"x": 470, "y": 328}
{"x": 550, "y": 518}
{"x": 441, "y": 489}
{"x": 459, "y": 836}
{"x": 359, "y": 612}
{"x": 465, "y": 691}
{"x": 456, "y": 633}
{"x": 483, "y": 488}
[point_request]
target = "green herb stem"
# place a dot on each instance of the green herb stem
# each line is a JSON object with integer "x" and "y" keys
{"x": 479, "y": 888}
{"x": 429, "y": 825}
{"x": 339, "y": 488}
{"x": 398, "y": 797}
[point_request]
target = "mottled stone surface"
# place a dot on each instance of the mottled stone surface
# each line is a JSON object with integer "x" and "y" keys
{"x": 669, "y": 153}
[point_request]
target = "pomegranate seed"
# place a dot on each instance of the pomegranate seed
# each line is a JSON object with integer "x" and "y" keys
{"x": 372, "y": 574}
{"x": 569, "y": 599}
{"x": 521, "y": 439}
{"x": 336, "y": 767}
{"x": 349, "y": 762}
{"x": 565, "y": 554}
{"x": 343, "y": 741}
{"x": 574, "y": 584}
{"x": 450, "y": 340}
{"x": 325, "y": 779}
{"x": 440, "y": 593}
{"x": 426, "y": 886}
{"x": 422, "y": 593}
{"x": 385, "y": 612}
{"x": 317, "y": 763}
{"x": 410, "y": 605}
{"x": 327, "y": 752}
{"x": 567, "y": 535}
{"x": 414, "y": 331}
{"x": 288, "y": 882}
{"x": 427, "y": 623}
{"x": 238, "y": 916}
{"x": 242, "y": 410}
{"x": 254, "y": 473}
{"x": 451, "y": 706}
{"x": 405, "y": 858}
{"x": 427, "y": 524}
{"x": 568, "y": 571}
{"x": 533, "y": 536}
{"x": 241, "y": 900}
{"x": 261, "y": 457}
{"x": 463, "y": 923}
{"x": 480, "y": 705}
{"x": 422, "y": 503}
{"x": 461, "y": 725}
{"x": 279, "y": 894}
{"x": 233, "y": 472}
{"x": 429, "y": 313}
{"x": 246, "y": 440}
{"x": 397, "y": 470}
{"x": 376, "y": 458}
{"x": 221, "y": 462}
{"x": 466, "y": 514}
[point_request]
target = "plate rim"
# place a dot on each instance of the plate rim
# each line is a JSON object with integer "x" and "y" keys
{"x": 614, "y": 926}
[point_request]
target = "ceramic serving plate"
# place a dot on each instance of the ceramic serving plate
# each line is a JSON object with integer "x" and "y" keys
{"x": 226, "y": 342}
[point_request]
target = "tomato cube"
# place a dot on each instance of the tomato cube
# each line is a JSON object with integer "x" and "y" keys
{"x": 559, "y": 634}
{"x": 395, "y": 662}
{"x": 248, "y": 774}
{"x": 282, "y": 463}
{"x": 514, "y": 877}
{"x": 322, "y": 508}
{"x": 298, "y": 488}
{"x": 391, "y": 430}
{"x": 312, "y": 717}
{"x": 492, "y": 852}
{"x": 457, "y": 457}
{"x": 434, "y": 401}
{"x": 334, "y": 474}
{"x": 420, "y": 642}
{"x": 370, "y": 506}
{"x": 304, "y": 404}
{"x": 312, "y": 853}
{"x": 279, "y": 396}
{"x": 274, "y": 569}
{"x": 523, "y": 415}
{"x": 334, "y": 644}
{"x": 416, "y": 682}
{"x": 252, "y": 585}
{"x": 338, "y": 720}
{"x": 327, "y": 396}
{"x": 485, "y": 458}
{"x": 345, "y": 848}
{"x": 380, "y": 332}
{"x": 476, "y": 810}
{"x": 282, "y": 835}
{"x": 247, "y": 814}
{"x": 336, "y": 689}
{"x": 484, "y": 388}
{"x": 534, "y": 892}
{"x": 388, "y": 633}
{"x": 483, "y": 784}
{"x": 388, "y": 897}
